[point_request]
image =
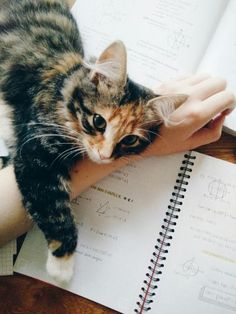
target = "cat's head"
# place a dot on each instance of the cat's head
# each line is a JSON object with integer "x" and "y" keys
{"x": 114, "y": 115}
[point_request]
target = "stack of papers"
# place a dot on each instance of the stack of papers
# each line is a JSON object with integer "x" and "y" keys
{"x": 6, "y": 258}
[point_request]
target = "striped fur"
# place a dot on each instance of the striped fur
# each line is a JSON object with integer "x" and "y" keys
{"x": 49, "y": 98}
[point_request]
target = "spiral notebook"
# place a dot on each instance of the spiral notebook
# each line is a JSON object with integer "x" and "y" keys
{"x": 157, "y": 235}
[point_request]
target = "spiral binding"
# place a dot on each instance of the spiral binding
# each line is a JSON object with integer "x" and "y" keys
{"x": 165, "y": 236}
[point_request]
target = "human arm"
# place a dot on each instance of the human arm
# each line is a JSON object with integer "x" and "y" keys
{"x": 194, "y": 124}
{"x": 14, "y": 219}
{"x": 199, "y": 120}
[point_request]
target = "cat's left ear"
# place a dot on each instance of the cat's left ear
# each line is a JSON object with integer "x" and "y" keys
{"x": 161, "y": 107}
{"x": 111, "y": 66}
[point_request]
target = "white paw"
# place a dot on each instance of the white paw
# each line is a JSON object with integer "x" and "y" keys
{"x": 60, "y": 268}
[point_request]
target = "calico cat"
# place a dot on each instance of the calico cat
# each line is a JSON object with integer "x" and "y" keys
{"x": 55, "y": 107}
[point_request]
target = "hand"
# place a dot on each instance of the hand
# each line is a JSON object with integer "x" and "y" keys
{"x": 199, "y": 120}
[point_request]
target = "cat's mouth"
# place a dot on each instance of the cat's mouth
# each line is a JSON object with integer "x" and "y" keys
{"x": 98, "y": 157}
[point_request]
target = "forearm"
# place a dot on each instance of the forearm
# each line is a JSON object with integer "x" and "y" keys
{"x": 14, "y": 219}
{"x": 86, "y": 173}
{"x": 197, "y": 122}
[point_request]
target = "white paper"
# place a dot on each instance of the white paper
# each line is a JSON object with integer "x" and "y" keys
{"x": 164, "y": 38}
{"x": 119, "y": 221}
{"x": 6, "y": 258}
{"x": 220, "y": 57}
{"x": 200, "y": 271}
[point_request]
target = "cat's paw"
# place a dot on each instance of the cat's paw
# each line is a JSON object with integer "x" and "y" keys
{"x": 60, "y": 268}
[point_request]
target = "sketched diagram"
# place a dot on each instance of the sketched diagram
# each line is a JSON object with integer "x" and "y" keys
{"x": 190, "y": 268}
{"x": 104, "y": 208}
{"x": 177, "y": 40}
{"x": 111, "y": 12}
{"x": 107, "y": 210}
{"x": 217, "y": 189}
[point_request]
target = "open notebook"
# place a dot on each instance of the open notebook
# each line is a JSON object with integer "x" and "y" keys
{"x": 158, "y": 234}
{"x": 165, "y": 39}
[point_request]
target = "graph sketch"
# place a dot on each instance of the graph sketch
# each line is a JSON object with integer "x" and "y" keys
{"x": 217, "y": 189}
{"x": 177, "y": 40}
{"x": 190, "y": 268}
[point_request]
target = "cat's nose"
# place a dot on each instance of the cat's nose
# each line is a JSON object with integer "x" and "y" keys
{"x": 103, "y": 156}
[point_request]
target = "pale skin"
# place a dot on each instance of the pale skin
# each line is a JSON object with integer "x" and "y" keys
{"x": 197, "y": 122}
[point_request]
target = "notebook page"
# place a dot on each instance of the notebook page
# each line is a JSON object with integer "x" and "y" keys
{"x": 6, "y": 258}
{"x": 163, "y": 38}
{"x": 200, "y": 271}
{"x": 220, "y": 58}
{"x": 119, "y": 220}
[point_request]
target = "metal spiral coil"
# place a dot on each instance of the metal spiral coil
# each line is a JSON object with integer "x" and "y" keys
{"x": 150, "y": 284}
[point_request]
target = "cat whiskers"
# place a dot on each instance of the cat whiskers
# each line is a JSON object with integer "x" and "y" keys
{"x": 143, "y": 136}
{"x": 53, "y": 126}
{"x": 67, "y": 153}
{"x": 63, "y": 136}
{"x": 57, "y": 126}
{"x": 149, "y": 131}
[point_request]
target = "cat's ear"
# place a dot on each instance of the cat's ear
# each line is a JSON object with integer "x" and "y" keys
{"x": 111, "y": 66}
{"x": 161, "y": 107}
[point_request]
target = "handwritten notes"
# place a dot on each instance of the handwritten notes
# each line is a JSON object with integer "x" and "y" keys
{"x": 203, "y": 258}
{"x": 118, "y": 221}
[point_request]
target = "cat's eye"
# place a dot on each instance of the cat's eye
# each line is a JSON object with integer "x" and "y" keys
{"x": 130, "y": 140}
{"x": 99, "y": 122}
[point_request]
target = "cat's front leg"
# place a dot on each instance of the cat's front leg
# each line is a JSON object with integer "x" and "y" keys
{"x": 46, "y": 199}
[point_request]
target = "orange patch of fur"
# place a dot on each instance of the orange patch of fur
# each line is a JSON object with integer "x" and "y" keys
{"x": 129, "y": 117}
{"x": 54, "y": 245}
{"x": 125, "y": 119}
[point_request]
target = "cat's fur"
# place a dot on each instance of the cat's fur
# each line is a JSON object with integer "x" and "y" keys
{"x": 48, "y": 98}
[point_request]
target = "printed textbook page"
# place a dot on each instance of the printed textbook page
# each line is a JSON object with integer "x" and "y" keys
{"x": 220, "y": 57}
{"x": 164, "y": 39}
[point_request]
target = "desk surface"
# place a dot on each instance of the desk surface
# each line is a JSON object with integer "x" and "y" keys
{"x": 23, "y": 295}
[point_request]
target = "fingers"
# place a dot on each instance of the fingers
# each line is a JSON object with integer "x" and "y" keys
{"x": 206, "y": 88}
{"x": 207, "y": 135}
{"x": 171, "y": 141}
{"x": 222, "y": 102}
{"x": 199, "y": 120}
{"x": 207, "y": 100}
{"x": 194, "y": 79}
{"x": 180, "y": 84}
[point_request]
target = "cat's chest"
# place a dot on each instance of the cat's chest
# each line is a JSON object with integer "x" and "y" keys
{"x": 6, "y": 126}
